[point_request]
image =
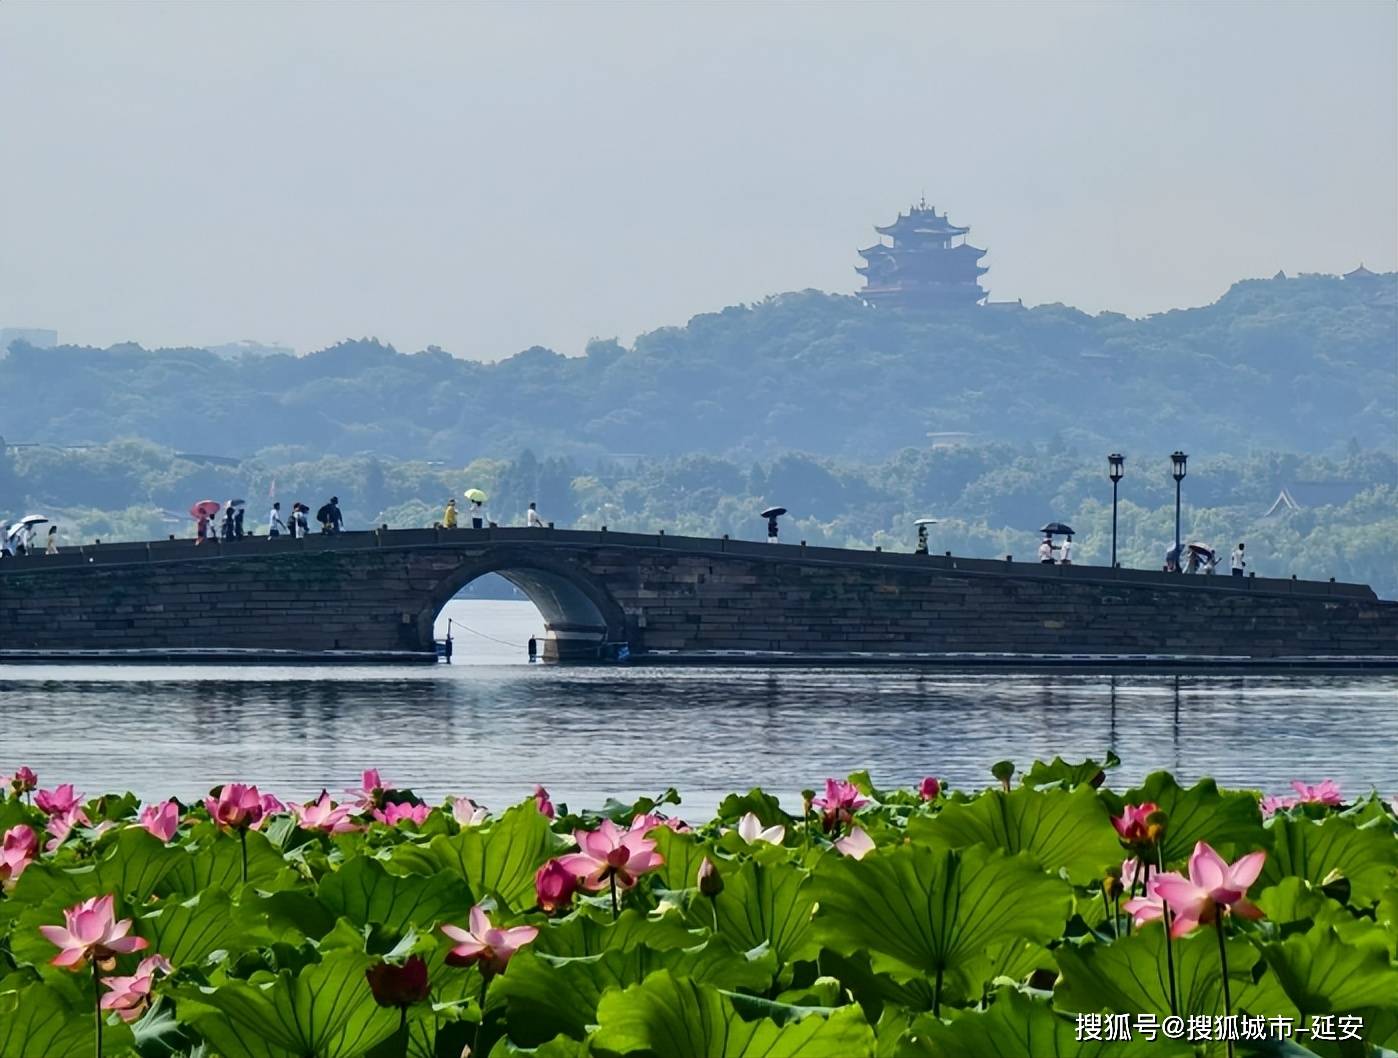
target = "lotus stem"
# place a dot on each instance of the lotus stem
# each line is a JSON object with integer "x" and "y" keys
{"x": 937, "y": 995}
{"x": 476, "y": 1043}
{"x": 615, "y": 911}
{"x": 97, "y": 1005}
{"x": 243, "y": 841}
{"x": 1223, "y": 968}
{"x": 1107, "y": 910}
{"x": 1168, "y": 919}
{"x": 713, "y": 906}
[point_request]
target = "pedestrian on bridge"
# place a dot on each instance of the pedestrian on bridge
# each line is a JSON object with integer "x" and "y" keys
{"x": 1238, "y": 562}
{"x": 228, "y": 515}
{"x": 275, "y": 525}
{"x": 330, "y": 518}
{"x": 449, "y": 515}
{"x": 535, "y": 522}
{"x": 52, "y": 547}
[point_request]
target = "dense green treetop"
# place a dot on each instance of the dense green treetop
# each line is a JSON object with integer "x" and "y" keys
{"x": 1302, "y": 364}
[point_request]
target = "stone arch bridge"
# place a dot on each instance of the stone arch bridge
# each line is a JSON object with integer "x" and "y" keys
{"x": 378, "y": 592}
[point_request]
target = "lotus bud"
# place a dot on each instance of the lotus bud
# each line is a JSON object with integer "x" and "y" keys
{"x": 554, "y": 886}
{"x": 1002, "y": 770}
{"x": 929, "y": 788}
{"x": 1097, "y": 780}
{"x": 1156, "y": 824}
{"x": 807, "y": 796}
{"x": 710, "y": 882}
{"x": 1111, "y": 882}
{"x": 399, "y": 986}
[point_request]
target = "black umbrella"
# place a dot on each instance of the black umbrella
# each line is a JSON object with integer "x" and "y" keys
{"x": 1057, "y": 529}
{"x": 774, "y": 512}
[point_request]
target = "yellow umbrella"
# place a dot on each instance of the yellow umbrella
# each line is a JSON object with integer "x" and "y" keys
{"x": 476, "y": 495}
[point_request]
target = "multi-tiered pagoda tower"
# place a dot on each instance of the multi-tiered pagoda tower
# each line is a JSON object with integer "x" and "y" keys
{"x": 925, "y": 267}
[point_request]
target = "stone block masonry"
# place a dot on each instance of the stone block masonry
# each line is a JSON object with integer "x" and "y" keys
{"x": 380, "y": 591}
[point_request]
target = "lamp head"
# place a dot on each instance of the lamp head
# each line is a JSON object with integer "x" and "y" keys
{"x": 1115, "y": 466}
{"x": 1177, "y": 462}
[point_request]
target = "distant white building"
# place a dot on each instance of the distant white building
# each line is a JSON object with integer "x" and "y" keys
{"x": 248, "y": 348}
{"x": 39, "y": 337}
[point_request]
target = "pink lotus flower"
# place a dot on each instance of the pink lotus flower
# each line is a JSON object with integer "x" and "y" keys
{"x": 485, "y": 945}
{"x": 648, "y": 821}
{"x": 1147, "y": 908}
{"x": 237, "y": 806}
{"x": 370, "y": 791}
{"x": 60, "y": 826}
{"x": 929, "y": 788}
{"x": 22, "y": 781}
{"x": 610, "y": 853}
{"x": 18, "y": 850}
{"x": 130, "y": 996}
{"x": 59, "y": 801}
{"x": 1213, "y": 885}
{"x": 1131, "y": 825}
{"x": 90, "y": 931}
{"x": 323, "y": 814}
{"x": 161, "y": 820}
{"x": 541, "y": 799}
{"x": 750, "y": 830}
{"x": 842, "y": 799}
{"x": 1325, "y": 792}
{"x": 856, "y": 843}
{"x": 554, "y": 885}
{"x": 394, "y": 814}
{"x": 466, "y": 812}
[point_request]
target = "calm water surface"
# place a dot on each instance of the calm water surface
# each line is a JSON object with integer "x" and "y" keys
{"x": 490, "y": 726}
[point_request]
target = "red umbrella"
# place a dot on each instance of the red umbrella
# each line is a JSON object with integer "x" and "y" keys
{"x": 205, "y": 509}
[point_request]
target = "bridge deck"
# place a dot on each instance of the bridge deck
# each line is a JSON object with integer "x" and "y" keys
{"x": 172, "y": 551}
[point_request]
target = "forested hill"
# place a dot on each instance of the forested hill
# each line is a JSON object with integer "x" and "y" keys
{"x": 1301, "y": 364}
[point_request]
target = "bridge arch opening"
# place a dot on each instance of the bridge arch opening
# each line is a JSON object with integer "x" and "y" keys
{"x": 580, "y": 619}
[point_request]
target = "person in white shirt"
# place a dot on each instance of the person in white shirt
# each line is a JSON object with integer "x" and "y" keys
{"x": 535, "y": 522}
{"x": 1065, "y": 553}
{"x": 1046, "y": 552}
{"x": 1237, "y": 562}
{"x": 477, "y": 515}
{"x": 275, "y": 525}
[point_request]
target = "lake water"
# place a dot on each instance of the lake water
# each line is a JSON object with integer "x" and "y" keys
{"x": 490, "y": 725}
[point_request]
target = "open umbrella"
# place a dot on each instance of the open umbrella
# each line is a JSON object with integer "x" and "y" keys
{"x": 32, "y": 519}
{"x": 476, "y": 496}
{"x": 926, "y": 521}
{"x": 1201, "y": 549}
{"x": 205, "y": 509}
{"x": 774, "y": 512}
{"x": 237, "y": 503}
{"x": 1057, "y": 529}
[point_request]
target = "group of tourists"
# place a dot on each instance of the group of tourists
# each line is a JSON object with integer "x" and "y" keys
{"x": 475, "y": 516}
{"x": 22, "y": 537}
{"x": 295, "y": 524}
{"x": 1200, "y": 558}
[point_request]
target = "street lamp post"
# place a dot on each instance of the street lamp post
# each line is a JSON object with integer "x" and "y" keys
{"x": 1177, "y": 462}
{"x": 1115, "y": 470}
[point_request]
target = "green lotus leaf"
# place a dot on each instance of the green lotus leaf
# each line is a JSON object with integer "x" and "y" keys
{"x": 584, "y": 933}
{"x": 1017, "y": 1026}
{"x": 1323, "y": 973}
{"x": 190, "y": 932}
{"x": 686, "y": 1019}
{"x": 42, "y": 1020}
{"x": 1294, "y": 902}
{"x": 546, "y": 996}
{"x": 1130, "y": 976}
{"x": 1230, "y": 822}
{"x": 921, "y": 910}
{"x": 761, "y": 904}
{"x": 364, "y": 892}
{"x": 757, "y": 801}
{"x": 218, "y": 865}
{"x": 1366, "y": 855}
{"x": 500, "y": 858}
{"x": 877, "y": 993}
{"x": 1067, "y": 829}
{"x": 132, "y": 864}
{"x": 1069, "y": 774}
{"x": 325, "y": 1010}
{"x": 682, "y": 854}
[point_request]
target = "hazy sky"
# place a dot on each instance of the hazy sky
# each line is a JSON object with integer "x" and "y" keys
{"x": 487, "y": 176}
